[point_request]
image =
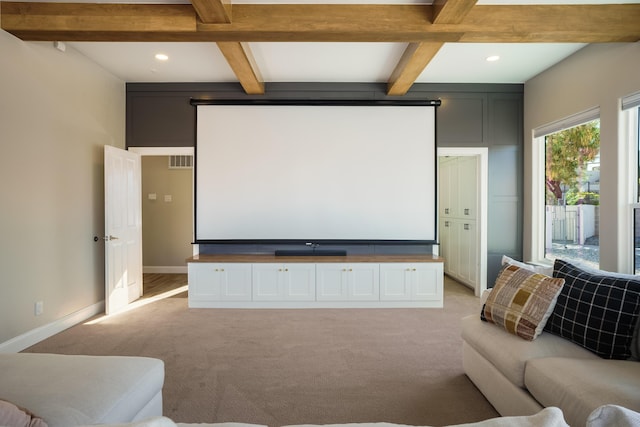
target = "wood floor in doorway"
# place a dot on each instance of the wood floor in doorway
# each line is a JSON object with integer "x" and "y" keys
{"x": 155, "y": 284}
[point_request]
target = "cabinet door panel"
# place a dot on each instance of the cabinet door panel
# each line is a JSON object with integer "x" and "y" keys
{"x": 468, "y": 252}
{"x": 235, "y": 282}
{"x": 204, "y": 284}
{"x": 468, "y": 187}
{"x": 299, "y": 282}
{"x": 364, "y": 282}
{"x": 331, "y": 282}
{"x": 455, "y": 236}
{"x": 444, "y": 183}
{"x": 427, "y": 284}
{"x": 395, "y": 282}
{"x": 266, "y": 282}
{"x": 446, "y": 243}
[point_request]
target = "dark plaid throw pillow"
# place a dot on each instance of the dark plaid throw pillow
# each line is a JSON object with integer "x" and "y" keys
{"x": 598, "y": 312}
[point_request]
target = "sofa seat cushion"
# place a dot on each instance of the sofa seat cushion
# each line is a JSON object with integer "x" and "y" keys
{"x": 68, "y": 390}
{"x": 509, "y": 353}
{"x": 579, "y": 387}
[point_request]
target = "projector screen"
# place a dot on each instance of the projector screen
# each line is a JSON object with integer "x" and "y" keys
{"x": 315, "y": 173}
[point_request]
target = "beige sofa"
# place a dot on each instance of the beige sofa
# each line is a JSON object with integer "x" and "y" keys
{"x": 605, "y": 416}
{"x": 70, "y": 390}
{"x": 521, "y": 377}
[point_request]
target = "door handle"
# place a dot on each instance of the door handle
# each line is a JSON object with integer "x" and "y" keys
{"x": 109, "y": 237}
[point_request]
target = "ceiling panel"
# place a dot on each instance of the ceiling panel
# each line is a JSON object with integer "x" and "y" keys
{"x": 327, "y": 62}
{"x": 467, "y": 62}
{"x": 135, "y": 62}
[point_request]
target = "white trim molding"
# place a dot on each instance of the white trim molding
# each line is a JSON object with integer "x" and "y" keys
{"x": 162, "y": 151}
{"x": 34, "y": 336}
{"x": 179, "y": 269}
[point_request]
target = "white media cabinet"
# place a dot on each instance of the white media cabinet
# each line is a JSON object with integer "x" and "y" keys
{"x": 360, "y": 281}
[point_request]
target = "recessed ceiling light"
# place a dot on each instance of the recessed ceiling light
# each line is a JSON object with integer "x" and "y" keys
{"x": 161, "y": 57}
{"x": 492, "y": 58}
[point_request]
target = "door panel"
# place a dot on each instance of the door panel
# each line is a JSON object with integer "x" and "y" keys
{"x": 123, "y": 228}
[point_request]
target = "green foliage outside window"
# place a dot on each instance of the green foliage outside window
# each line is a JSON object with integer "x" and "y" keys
{"x": 582, "y": 198}
{"x": 567, "y": 154}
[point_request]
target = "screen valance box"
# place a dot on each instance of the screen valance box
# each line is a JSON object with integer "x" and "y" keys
{"x": 330, "y": 172}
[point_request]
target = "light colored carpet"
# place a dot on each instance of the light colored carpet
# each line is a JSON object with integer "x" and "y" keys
{"x": 279, "y": 367}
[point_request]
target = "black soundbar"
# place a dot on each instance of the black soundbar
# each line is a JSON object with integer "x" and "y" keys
{"x": 311, "y": 252}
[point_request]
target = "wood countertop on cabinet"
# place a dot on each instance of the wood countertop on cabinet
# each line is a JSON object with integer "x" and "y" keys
{"x": 267, "y": 258}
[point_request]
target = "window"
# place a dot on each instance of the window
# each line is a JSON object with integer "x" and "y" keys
{"x": 572, "y": 193}
{"x": 566, "y": 189}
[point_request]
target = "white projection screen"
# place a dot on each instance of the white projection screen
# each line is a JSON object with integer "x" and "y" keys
{"x": 316, "y": 173}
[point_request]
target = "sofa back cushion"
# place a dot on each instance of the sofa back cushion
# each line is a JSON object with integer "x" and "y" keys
{"x": 597, "y": 311}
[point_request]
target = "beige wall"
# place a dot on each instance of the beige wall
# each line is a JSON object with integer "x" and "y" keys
{"x": 596, "y": 76}
{"x": 57, "y": 111}
{"x": 166, "y": 226}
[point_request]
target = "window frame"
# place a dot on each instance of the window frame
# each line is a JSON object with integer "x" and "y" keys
{"x": 538, "y": 187}
{"x": 630, "y": 136}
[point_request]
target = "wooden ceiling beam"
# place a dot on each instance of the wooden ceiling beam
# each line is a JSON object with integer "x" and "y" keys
{"x": 413, "y": 62}
{"x": 237, "y": 54}
{"x": 451, "y": 11}
{"x": 417, "y": 56}
{"x": 213, "y": 10}
{"x": 553, "y": 23}
{"x": 321, "y": 23}
{"x": 241, "y": 61}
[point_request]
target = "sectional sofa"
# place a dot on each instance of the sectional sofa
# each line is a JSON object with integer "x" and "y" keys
{"x": 582, "y": 353}
{"x": 71, "y": 390}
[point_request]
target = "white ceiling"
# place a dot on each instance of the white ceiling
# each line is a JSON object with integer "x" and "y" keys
{"x": 324, "y": 62}
{"x": 330, "y": 62}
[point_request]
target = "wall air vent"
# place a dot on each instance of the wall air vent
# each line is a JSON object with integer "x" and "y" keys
{"x": 180, "y": 162}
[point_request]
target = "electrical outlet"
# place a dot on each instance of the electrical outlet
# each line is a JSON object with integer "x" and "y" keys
{"x": 38, "y": 308}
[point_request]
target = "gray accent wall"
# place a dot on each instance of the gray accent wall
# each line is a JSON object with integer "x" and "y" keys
{"x": 471, "y": 115}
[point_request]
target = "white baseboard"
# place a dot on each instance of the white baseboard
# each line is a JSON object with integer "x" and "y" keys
{"x": 180, "y": 269}
{"x": 34, "y": 336}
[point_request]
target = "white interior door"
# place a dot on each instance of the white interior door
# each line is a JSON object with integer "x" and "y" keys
{"x": 123, "y": 228}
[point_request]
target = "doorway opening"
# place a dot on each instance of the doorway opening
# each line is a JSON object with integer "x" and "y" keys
{"x": 167, "y": 217}
{"x": 462, "y": 214}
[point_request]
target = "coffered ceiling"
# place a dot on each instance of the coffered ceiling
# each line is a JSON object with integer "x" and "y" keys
{"x": 392, "y": 41}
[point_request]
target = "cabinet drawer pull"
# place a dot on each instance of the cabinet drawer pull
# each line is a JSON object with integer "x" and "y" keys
{"x": 446, "y": 210}
{"x": 446, "y": 223}
{"x": 466, "y": 226}
{"x": 466, "y": 211}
